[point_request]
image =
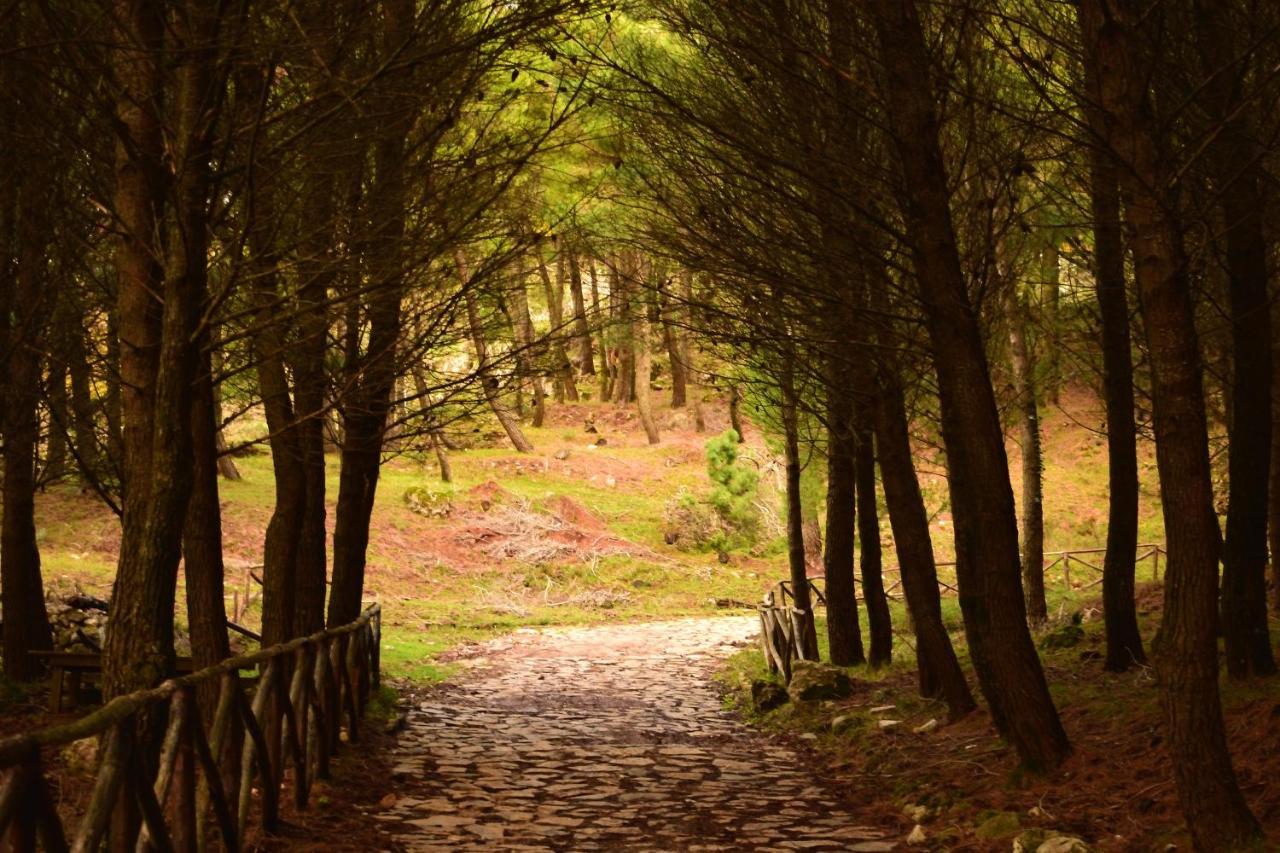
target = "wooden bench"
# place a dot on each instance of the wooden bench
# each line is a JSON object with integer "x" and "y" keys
{"x": 68, "y": 668}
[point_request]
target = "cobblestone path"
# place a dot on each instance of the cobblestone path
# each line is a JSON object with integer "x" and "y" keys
{"x": 607, "y": 738}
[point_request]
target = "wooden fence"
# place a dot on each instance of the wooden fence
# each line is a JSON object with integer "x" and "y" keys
{"x": 294, "y": 718}
{"x": 783, "y": 627}
{"x": 1088, "y": 575}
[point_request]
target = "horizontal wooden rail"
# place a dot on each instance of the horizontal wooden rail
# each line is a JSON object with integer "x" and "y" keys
{"x": 1064, "y": 560}
{"x": 309, "y": 691}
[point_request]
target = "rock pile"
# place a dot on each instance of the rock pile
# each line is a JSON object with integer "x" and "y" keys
{"x": 79, "y": 622}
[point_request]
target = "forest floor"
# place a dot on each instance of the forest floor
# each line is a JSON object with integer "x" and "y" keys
{"x": 573, "y": 535}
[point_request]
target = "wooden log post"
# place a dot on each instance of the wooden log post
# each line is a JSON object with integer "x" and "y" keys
{"x": 158, "y": 796}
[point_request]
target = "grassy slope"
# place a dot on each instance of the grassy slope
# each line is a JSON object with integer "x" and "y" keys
{"x": 439, "y": 588}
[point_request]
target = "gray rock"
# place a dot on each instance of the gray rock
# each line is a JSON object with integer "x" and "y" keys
{"x": 812, "y": 681}
{"x": 767, "y": 695}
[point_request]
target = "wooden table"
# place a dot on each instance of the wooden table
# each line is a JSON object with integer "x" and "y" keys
{"x": 68, "y": 668}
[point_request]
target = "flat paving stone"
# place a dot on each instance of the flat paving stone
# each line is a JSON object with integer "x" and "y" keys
{"x": 608, "y": 738}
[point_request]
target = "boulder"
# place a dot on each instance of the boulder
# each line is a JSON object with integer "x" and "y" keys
{"x": 1062, "y": 638}
{"x": 812, "y": 681}
{"x": 767, "y": 695}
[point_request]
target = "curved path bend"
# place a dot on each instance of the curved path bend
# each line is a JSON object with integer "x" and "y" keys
{"x": 608, "y": 738}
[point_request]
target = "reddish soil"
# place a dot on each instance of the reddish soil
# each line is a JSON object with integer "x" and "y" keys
{"x": 1116, "y": 790}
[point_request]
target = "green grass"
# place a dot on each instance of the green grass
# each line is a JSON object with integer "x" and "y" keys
{"x": 431, "y": 605}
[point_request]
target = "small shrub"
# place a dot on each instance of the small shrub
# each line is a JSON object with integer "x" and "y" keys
{"x": 728, "y": 516}
{"x": 429, "y": 502}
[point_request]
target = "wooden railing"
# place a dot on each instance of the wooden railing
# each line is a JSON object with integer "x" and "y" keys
{"x": 783, "y": 627}
{"x": 293, "y": 719}
{"x": 1064, "y": 560}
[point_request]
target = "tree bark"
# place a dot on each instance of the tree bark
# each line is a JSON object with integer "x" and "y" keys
{"x": 565, "y": 388}
{"x": 26, "y": 624}
{"x": 156, "y": 364}
{"x": 1051, "y": 282}
{"x": 1233, "y": 161}
{"x": 686, "y": 352}
{"x": 869, "y": 552}
{"x": 795, "y": 509}
{"x": 988, "y": 568}
{"x": 522, "y": 330}
{"x": 375, "y": 370}
{"x": 1124, "y": 640}
{"x": 227, "y": 469}
{"x": 202, "y": 537}
{"x": 85, "y": 440}
{"x": 55, "y": 461}
{"x": 606, "y": 386}
{"x": 1032, "y": 465}
{"x": 1186, "y": 654}
{"x": 268, "y": 337}
{"x": 581, "y": 329}
{"x": 643, "y": 360}
{"x": 939, "y": 669}
{"x": 844, "y": 635}
{"x": 735, "y": 413}
{"x": 488, "y": 382}
{"x": 671, "y": 340}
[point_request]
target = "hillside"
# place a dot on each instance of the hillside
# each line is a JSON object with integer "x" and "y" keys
{"x": 572, "y": 533}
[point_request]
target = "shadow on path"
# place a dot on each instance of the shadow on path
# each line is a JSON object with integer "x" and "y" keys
{"x": 607, "y": 738}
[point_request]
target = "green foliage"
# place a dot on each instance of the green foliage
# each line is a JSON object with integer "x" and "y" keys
{"x": 727, "y": 517}
{"x": 733, "y": 492}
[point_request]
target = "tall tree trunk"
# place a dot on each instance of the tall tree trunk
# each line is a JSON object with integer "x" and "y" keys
{"x": 310, "y": 409}
{"x": 844, "y": 635}
{"x": 735, "y": 413}
{"x": 939, "y": 669}
{"x": 488, "y": 382}
{"x": 522, "y": 329}
{"x": 155, "y": 368}
{"x": 1187, "y": 660}
{"x": 1051, "y": 299}
{"x": 987, "y": 562}
{"x": 85, "y": 440}
{"x": 1124, "y": 640}
{"x": 643, "y": 360}
{"x": 602, "y": 347}
{"x": 671, "y": 340}
{"x": 795, "y": 509}
{"x": 869, "y": 552}
{"x": 565, "y": 388}
{"x": 365, "y": 414}
{"x": 1233, "y": 160}
{"x": 581, "y": 329}
{"x": 227, "y": 469}
{"x": 1032, "y": 464}
{"x": 55, "y": 462}
{"x": 686, "y": 352}
{"x": 1273, "y": 522}
{"x": 26, "y": 624}
{"x": 202, "y": 537}
{"x": 269, "y": 341}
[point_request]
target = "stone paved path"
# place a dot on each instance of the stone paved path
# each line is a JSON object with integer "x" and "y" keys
{"x": 608, "y": 738}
